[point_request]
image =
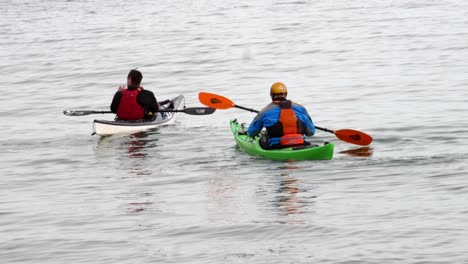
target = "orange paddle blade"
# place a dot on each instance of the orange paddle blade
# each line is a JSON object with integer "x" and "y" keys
{"x": 215, "y": 100}
{"x": 353, "y": 137}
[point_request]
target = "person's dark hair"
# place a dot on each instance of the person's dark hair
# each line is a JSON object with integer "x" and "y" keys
{"x": 135, "y": 76}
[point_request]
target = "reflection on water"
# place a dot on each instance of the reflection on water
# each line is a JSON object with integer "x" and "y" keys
{"x": 137, "y": 207}
{"x": 135, "y": 146}
{"x": 288, "y": 198}
{"x": 134, "y": 154}
{"x": 359, "y": 152}
{"x": 224, "y": 194}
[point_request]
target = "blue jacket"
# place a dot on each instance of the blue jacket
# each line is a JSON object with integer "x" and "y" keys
{"x": 270, "y": 115}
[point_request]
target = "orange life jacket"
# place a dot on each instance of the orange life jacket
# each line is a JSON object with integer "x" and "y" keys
{"x": 289, "y": 128}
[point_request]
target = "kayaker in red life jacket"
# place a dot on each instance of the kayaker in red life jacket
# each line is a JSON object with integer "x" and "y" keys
{"x": 133, "y": 102}
{"x": 286, "y": 122}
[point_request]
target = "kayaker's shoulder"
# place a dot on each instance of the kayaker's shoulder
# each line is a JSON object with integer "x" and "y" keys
{"x": 118, "y": 93}
{"x": 269, "y": 107}
{"x": 148, "y": 92}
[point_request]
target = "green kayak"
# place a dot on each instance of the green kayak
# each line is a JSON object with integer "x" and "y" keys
{"x": 252, "y": 147}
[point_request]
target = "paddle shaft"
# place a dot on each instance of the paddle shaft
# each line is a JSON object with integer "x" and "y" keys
{"x": 325, "y": 129}
{"x": 190, "y": 111}
{"x": 245, "y": 108}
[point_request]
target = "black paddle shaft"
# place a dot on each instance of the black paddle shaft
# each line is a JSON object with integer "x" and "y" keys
{"x": 190, "y": 111}
{"x": 248, "y": 109}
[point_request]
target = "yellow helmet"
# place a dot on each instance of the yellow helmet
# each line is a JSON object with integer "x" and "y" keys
{"x": 278, "y": 88}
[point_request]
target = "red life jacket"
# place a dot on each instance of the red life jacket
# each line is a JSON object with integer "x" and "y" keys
{"x": 129, "y": 109}
{"x": 288, "y": 128}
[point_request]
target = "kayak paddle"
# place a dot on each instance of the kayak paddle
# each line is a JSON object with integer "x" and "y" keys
{"x": 190, "y": 111}
{"x": 346, "y": 135}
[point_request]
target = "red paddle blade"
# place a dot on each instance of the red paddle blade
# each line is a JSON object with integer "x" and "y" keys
{"x": 354, "y": 137}
{"x": 215, "y": 100}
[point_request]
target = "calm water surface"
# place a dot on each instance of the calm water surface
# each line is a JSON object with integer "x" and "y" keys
{"x": 184, "y": 193}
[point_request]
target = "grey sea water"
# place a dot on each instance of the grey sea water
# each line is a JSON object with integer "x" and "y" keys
{"x": 396, "y": 70}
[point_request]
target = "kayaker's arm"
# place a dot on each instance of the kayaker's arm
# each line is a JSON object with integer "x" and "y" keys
{"x": 301, "y": 112}
{"x": 255, "y": 127}
{"x": 115, "y": 102}
{"x": 309, "y": 128}
{"x": 310, "y": 125}
{"x": 147, "y": 100}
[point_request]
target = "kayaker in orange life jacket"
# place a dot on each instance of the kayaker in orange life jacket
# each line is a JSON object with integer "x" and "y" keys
{"x": 286, "y": 122}
{"x": 133, "y": 102}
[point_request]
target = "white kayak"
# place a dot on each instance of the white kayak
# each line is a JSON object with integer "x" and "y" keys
{"x": 108, "y": 127}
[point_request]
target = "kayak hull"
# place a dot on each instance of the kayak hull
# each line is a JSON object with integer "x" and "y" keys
{"x": 252, "y": 147}
{"x": 111, "y": 127}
